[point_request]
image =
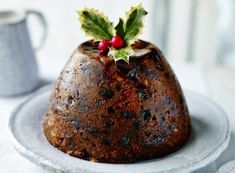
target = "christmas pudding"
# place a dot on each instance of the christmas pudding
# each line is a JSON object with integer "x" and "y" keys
{"x": 117, "y": 100}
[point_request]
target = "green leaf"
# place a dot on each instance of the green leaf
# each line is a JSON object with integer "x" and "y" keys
{"x": 120, "y": 28}
{"x": 134, "y": 23}
{"x": 96, "y": 24}
{"x": 121, "y": 54}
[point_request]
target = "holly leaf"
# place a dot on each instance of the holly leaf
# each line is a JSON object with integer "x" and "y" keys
{"x": 121, "y": 54}
{"x": 95, "y": 24}
{"x": 133, "y": 25}
{"x": 120, "y": 28}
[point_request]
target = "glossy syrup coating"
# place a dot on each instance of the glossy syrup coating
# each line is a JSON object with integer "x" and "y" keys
{"x": 117, "y": 112}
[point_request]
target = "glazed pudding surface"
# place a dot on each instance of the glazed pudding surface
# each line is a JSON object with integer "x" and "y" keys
{"x": 117, "y": 112}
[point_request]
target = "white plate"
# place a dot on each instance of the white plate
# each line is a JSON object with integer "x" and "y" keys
{"x": 209, "y": 138}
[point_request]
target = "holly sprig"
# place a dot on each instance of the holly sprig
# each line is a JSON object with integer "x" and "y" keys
{"x": 114, "y": 41}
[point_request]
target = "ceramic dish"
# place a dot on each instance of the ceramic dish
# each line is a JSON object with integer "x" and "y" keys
{"x": 209, "y": 138}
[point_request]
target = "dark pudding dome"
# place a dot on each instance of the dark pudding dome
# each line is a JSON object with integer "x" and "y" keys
{"x": 117, "y": 112}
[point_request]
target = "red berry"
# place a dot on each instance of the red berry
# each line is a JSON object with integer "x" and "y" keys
{"x": 117, "y": 42}
{"x": 104, "y": 46}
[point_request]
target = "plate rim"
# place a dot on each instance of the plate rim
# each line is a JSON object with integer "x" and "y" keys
{"x": 49, "y": 165}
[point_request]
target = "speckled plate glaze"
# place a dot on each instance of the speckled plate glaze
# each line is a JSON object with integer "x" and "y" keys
{"x": 209, "y": 138}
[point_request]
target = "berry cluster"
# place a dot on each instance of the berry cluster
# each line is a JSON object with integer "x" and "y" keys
{"x": 116, "y": 42}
